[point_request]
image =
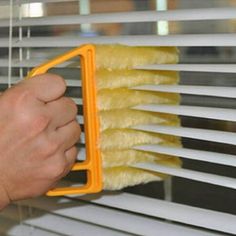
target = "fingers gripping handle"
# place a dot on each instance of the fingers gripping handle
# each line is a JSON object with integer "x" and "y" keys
{"x": 91, "y": 120}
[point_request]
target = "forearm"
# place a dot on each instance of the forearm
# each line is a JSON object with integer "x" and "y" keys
{"x": 4, "y": 199}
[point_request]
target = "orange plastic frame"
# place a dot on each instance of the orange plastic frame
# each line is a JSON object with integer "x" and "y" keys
{"x": 91, "y": 120}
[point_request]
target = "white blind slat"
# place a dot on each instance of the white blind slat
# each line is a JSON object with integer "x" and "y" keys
{"x": 4, "y": 79}
{"x": 213, "y": 157}
{"x": 82, "y": 138}
{"x": 73, "y": 83}
{"x": 78, "y": 101}
{"x": 80, "y": 119}
{"x": 219, "y": 68}
{"x": 53, "y": 222}
{"x": 209, "y": 219}
{"x": 190, "y": 174}
{"x": 131, "y": 40}
{"x": 6, "y": 2}
{"x": 218, "y": 91}
{"x": 12, "y": 228}
{"x": 194, "y": 111}
{"x": 196, "y": 133}
{"x": 81, "y": 154}
{"x": 33, "y": 63}
{"x": 126, "y": 17}
{"x": 14, "y": 80}
{"x": 136, "y": 224}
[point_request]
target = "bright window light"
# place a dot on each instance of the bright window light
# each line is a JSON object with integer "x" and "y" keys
{"x": 162, "y": 26}
{"x": 84, "y": 9}
{"x": 32, "y": 10}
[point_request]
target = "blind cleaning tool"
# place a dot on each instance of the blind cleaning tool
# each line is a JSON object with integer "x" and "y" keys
{"x": 111, "y": 114}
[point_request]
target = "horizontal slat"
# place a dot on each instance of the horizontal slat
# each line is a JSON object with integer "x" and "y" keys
{"x": 58, "y": 224}
{"x": 195, "y": 133}
{"x": 167, "y": 210}
{"x": 132, "y": 40}
{"x": 69, "y": 82}
{"x": 219, "y": 68}
{"x": 6, "y": 2}
{"x": 212, "y": 157}
{"x": 218, "y": 91}
{"x": 81, "y": 154}
{"x": 190, "y": 174}
{"x": 73, "y": 83}
{"x": 133, "y": 224}
{"x": 82, "y": 138}
{"x": 13, "y": 228}
{"x": 32, "y": 63}
{"x": 194, "y": 111}
{"x": 17, "y": 63}
{"x": 78, "y": 101}
{"x": 80, "y": 119}
{"x": 123, "y": 17}
{"x": 4, "y": 79}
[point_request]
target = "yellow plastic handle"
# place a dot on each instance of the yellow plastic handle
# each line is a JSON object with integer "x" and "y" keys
{"x": 91, "y": 120}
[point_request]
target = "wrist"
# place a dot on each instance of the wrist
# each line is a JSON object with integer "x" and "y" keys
{"x": 4, "y": 199}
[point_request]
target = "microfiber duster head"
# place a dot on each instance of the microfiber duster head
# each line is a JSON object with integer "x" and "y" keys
{"x": 110, "y": 99}
{"x": 115, "y": 76}
{"x": 116, "y": 178}
{"x": 116, "y": 56}
{"x": 124, "y": 157}
{"x": 124, "y": 118}
{"x": 111, "y": 79}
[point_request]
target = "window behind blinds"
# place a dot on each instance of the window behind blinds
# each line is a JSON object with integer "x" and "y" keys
{"x": 200, "y": 198}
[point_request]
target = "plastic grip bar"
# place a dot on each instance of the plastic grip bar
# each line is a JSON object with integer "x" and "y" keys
{"x": 91, "y": 120}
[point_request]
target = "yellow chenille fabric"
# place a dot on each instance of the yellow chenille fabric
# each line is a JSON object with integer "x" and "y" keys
{"x": 117, "y": 56}
{"x": 115, "y": 76}
{"x": 115, "y": 178}
{"x": 109, "y": 99}
{"x": 124, "y": 118}
{"x": 110, "y": 79}
{"x": 123, "y": 157}
{"x": 117, "y": 139}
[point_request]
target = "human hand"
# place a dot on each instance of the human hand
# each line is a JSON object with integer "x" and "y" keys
{"x": 38, "y": 134}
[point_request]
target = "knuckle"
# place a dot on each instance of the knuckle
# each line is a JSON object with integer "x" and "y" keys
{"x": 75, "y": 131}
{"x": 35, "y": 123}
{"x": 58, "y": 169}
{"x": 77, "y": 128}
{"x": 40, "y": 122}
{"x": 72, "y": 105}
{"x": 74, "y": 152}
{"x": 58, "y": 81}
{"x": 50, "y": 148}
{"x": 24, "y": 94}
{"x": 18, "y": 96}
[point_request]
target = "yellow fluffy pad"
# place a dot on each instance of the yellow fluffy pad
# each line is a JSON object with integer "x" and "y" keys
{"x": 124, "y": 57}
{"x": 115, "y": 76}
{"x": 124, "y": 118}
{"x": 110, "y": 79}
{"x": 110, "y": 99}
{"x": 124, "y": 157}
{"x": 116, "y": 178}
{"x": 118, "y": 139}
